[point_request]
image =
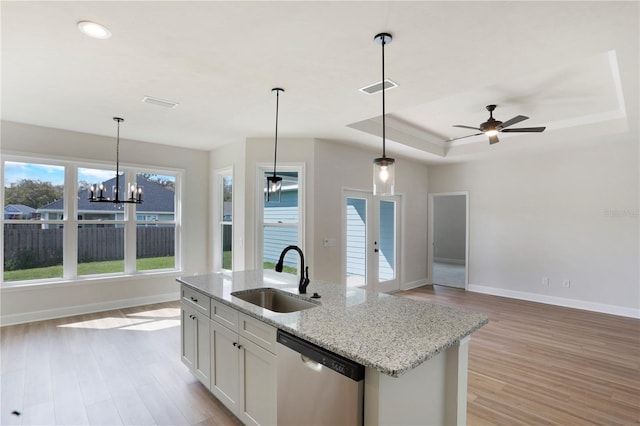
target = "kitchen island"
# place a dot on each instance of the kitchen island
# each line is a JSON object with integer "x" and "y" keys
{"x": 415, "y": 354}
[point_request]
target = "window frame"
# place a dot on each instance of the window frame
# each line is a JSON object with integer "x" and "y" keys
{"x": 70, "y": 220}
{"x": 217, "y": 218}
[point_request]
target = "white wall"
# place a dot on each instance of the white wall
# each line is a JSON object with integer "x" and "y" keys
{"x": 340, "y": 166}
{"x": 566, "y": 214}
{"x": 329, "y": 167}
{"x": 54, "y": 300}
{"x": 232, "y": 156}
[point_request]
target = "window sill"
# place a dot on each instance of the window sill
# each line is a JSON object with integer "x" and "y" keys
{"x": 87, "y": 280}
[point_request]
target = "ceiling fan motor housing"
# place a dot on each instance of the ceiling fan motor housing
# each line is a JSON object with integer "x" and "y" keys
{"x": 490, "y": 124}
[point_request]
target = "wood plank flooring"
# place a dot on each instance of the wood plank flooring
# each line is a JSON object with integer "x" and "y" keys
{"x": 532, "y": 364}
{"x": 537, "y": 364}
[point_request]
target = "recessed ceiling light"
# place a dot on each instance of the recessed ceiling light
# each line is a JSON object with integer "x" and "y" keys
{"x": 94, "y": 30}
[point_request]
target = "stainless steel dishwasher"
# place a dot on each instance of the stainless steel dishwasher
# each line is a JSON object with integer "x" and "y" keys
{"x": 317, "y": 387}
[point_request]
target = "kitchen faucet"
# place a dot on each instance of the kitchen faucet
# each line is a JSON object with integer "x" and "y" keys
{"x": 304, "y": 272}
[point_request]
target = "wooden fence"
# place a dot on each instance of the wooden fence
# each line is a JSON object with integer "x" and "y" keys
{"x": 94, "y": 244}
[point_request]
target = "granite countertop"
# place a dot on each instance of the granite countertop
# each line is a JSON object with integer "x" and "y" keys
{"x": 388, "y": 333}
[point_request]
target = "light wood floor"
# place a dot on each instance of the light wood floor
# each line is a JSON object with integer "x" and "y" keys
{"x": 532, "y": 364}
{"x": 538, "y": 364}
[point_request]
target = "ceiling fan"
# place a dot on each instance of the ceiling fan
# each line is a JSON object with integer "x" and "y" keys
{"x": 492, "y": 127}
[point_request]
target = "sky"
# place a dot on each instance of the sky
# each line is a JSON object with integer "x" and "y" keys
{"x": 15, "y": 171}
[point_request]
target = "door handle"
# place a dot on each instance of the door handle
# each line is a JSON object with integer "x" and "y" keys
{"x": 375, "y": 250}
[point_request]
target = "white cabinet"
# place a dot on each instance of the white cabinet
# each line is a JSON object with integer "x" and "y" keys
{"x": 243, "y": 366}
{"x": 196, "y": 350}
{"x": 258, "y": 372}
{"x": 225, "y": 362}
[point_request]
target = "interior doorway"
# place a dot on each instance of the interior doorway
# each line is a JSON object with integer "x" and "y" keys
{"x": 449, "y": 239}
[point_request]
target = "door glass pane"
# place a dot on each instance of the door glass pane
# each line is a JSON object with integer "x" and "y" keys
{"x": 356, "y": 242}
{"x": 387, "y": 253}
{"x": 100, "y": 249}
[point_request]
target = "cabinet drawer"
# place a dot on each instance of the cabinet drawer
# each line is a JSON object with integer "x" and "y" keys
{"x": 258, "y": 332}
{"x": 197, "y": 300}
{"x": 224, "y": 315}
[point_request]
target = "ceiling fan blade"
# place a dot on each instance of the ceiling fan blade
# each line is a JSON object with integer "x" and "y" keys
{"x": 524, "y": 130}
{"x": 512, "y": 121}
{"x": 462, "y": 137}
{"x": 493, "y": 139}
{"x": 466, "y": 127}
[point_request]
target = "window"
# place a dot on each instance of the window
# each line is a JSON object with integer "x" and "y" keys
{"x": 226, "y": 224}
{"x": 33, "y": 232}
{"x": 222, "y": 229}
{"x": 281, "y": 222}
{"x": 156, "y": 222}
{"x": 52, "y": 231}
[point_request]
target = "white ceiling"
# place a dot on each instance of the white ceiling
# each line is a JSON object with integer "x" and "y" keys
{"x": 572, "y": 66}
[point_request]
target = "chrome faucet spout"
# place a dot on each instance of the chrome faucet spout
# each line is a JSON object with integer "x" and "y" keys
{"x": 304, "y": 272}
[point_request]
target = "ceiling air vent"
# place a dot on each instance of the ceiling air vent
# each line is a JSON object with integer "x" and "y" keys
{"x": 160, "y": 102}
{"x": 377, "y": 87}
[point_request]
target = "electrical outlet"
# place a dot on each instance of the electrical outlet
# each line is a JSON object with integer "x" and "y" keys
{"x": 545, "y": 281}
{"x": 566, "y": 283}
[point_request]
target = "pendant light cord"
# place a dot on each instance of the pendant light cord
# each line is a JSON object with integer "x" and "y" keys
{"x": 275, "y": 153}
{"x": 118, "y": 120}
{"x": 383, "y": 103}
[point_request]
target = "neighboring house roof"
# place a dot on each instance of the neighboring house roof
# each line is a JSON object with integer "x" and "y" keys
{"x": 18, "y": 209}
{"x": 155, "y": 198}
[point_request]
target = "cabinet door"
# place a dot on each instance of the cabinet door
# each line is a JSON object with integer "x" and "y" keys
{"x": 224, "y": 365}
{"x": 202, "y": 355}
{"x": 188, "y": 336}
{"x": 258, "y": 372}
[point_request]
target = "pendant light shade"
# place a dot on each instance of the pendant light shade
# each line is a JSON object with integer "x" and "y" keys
{"x": 273, "y": 183}
{"x": 383, "y": 167}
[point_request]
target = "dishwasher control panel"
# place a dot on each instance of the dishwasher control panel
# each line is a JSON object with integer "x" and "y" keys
{"x": 335, "y": 362}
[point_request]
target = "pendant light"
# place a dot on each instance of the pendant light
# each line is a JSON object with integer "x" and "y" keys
{"x": 274, "y": 183}
{"x": 134, "y": 192}
{"x": 383, "y": 167}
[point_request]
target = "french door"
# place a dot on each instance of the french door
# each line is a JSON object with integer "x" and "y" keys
{"x": 371, "y": 229}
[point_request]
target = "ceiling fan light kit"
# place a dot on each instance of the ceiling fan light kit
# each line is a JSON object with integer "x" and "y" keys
{"x": 492, "y": 127}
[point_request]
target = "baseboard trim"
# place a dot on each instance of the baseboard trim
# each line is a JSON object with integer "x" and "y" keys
{"x": 68, "y": 311}
{"x": 557, "y": 301}
{"x": 449, "y": 260}
{"x": 414, "y": 284}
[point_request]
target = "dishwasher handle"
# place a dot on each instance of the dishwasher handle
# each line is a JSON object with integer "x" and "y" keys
{"x": 335, "y": 362}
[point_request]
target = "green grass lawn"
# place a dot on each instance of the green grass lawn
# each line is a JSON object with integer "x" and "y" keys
{"x": 89, "y": 268}
{"x": 285, "y": 268}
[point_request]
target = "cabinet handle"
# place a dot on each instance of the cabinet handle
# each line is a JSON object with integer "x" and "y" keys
{"x": 239, "y": 346}
{"x": 235, "y": 344}
{"x": 194, "y": 299}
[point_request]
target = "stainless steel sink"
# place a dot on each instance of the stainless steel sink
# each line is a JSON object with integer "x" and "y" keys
{"x": 274, "y": 300}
